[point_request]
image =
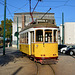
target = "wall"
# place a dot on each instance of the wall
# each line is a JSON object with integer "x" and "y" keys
{"x": 69, "y": 32}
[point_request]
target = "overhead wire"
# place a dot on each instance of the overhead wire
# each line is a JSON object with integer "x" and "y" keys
{"x": 9, "y": 12}
{"x": 40, "y": 6}
{"x": 70, "y": 5}
{"x": 1, "y": 3}
{"x": 12, "y": 6}
{"x": 21, "y": 7}
{"x": 7, "y": 8}
{"x": 66, "y": 2}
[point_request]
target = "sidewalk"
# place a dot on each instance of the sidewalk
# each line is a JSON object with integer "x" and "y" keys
{"x": 14, "y": 64}
{"x": 8, "y": 50}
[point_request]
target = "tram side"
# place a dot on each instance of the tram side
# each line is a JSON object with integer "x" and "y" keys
{"x": 24, "y": 45}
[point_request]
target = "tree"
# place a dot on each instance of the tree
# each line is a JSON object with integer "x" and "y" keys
{"x": 8, "y": 30}
{"x": 0, "y": 30}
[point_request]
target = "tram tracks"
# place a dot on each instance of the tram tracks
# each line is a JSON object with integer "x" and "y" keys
{"x": 38, "y": 69}
{"x": 52, "y": 69}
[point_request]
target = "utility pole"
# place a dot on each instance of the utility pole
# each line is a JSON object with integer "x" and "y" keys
{"x": 62, "y": 28}
{"x": 17, "y": 32}
{"x": 4, "y": 27}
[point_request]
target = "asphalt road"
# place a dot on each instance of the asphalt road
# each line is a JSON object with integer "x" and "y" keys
{"x": 14, "y": 63}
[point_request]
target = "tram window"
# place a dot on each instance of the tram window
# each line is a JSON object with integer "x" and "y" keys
{"x": 55, "y": 37}
{"x": 24, "y": 38}
{"x": 32, "y": 36}
{"x": 39, "y": 36}
{"x": 21, "y": 38}
{"x": 48, "y": 36}
{"x": 27, "y": 37}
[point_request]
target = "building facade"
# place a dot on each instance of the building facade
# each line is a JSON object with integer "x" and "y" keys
{"x": 69, "y": 31}
{"x": 24, "y": 19}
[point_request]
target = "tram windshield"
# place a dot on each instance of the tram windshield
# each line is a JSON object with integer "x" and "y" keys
{"x": 46, "y": 36}
{"x": 39, "y": 35}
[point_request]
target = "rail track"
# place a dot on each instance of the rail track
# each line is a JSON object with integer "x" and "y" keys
{"x": 36, "y": 68}
{"x": 52, "y": 69}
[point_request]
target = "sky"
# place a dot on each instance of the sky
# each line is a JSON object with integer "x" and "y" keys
{"x": 57, "y": 7}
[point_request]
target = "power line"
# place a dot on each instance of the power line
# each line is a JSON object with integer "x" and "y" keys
{"x": 1, "y": 3}
{"x": 20, "y": 7}
{"x": 51, "y": 1}
{"x": 66, "y": 2}
{"x": 70, "y": 5}
{"x": 9, "y": 12}
{"x": 11, "y": 5}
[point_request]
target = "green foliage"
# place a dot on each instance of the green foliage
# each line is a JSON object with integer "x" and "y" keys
{"x": 8, "y": 30}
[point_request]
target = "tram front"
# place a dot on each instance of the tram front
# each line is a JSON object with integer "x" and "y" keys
{"x": 46, "y": 44}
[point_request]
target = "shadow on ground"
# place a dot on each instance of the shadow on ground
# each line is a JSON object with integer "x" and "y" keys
{"x": 5, "y": 59}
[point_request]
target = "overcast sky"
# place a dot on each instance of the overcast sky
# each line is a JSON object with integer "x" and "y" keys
{"x": 57, "y": 7}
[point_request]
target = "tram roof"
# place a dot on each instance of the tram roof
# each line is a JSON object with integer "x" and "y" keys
{"x": 40, "y": 25}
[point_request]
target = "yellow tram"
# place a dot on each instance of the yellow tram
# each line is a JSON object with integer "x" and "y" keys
{"x": 40, "y": 41}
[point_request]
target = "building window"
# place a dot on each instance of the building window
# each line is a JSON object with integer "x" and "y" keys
{"x": 52, "y": 21}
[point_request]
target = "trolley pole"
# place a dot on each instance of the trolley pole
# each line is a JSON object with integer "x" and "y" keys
{"x": 17, "y": 32}
{"x": 62, "y": 28}
{"x": 4, "y": 27}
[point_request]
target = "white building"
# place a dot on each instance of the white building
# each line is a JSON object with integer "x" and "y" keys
{"x": 60, "y": 37}
{"x": 69, "y": 33}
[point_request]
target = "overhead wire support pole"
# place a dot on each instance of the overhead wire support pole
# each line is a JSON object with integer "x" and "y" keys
{"x": 45, "y": 13}
{"x": 4, "y": 27}
{"x": 62, "y": 28}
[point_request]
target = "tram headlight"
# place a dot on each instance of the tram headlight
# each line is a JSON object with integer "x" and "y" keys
{"x": 54, "y": 54}
{"x": 42, "y": 54}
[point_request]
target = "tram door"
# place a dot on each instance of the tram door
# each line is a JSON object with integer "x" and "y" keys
{"x": 32, "y": 42}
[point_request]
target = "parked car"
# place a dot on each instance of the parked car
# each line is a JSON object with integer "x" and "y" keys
{"x": 71, "y": 51}
{"x": 62, "y": 48}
